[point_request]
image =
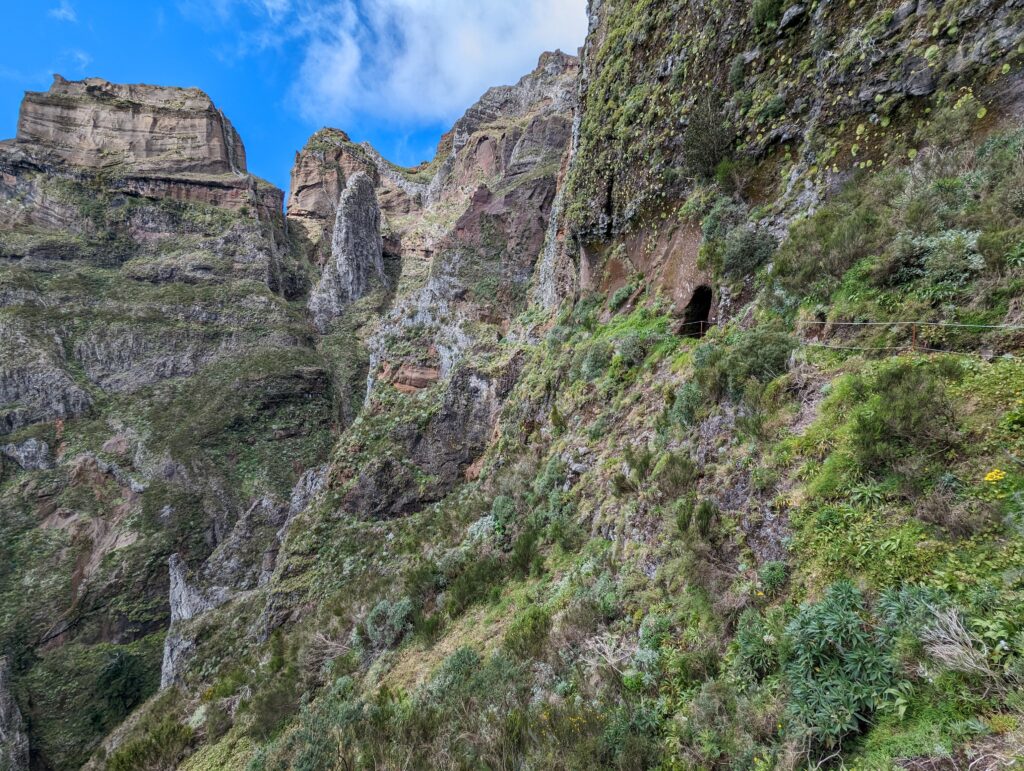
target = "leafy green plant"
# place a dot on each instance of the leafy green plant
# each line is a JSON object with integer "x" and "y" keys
{"x": 737, "y": 72}
{"x": 765, "y": 13}
{"x": 773, "y": 575}
{"x": 837, "y": 669}
{"x": 160, "y": 749}
{"x": 906, "y": 414}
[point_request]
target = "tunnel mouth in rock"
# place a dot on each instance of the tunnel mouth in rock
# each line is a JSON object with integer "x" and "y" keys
{"x": 697, "y": 312}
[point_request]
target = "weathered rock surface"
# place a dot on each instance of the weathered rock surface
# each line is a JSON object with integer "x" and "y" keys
{"x": 145, "y": 287}
{"x": 357, "y": 252}
{"x": 441, "y": 451}
{"x": 13, "y": 740}
{"x": 96, "y": 124}
{"x": 31, "y": 454}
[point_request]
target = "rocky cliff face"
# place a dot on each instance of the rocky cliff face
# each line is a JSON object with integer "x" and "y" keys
{"x": 581, "y": 445}
{"x": 145, "y": 280}
{"x": 13, "y": 741}
{"x": 357, "y": 252}
{"x": 99, "y": 125}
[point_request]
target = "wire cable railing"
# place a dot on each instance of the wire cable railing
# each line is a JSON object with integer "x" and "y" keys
{"x": 917, "y": 341}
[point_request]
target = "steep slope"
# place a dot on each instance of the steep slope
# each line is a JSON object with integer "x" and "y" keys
{"x": 673, "y": 431}
{"x": 155, "y": 381}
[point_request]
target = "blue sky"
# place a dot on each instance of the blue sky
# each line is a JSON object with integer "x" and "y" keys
{"x": 394, "y": 72}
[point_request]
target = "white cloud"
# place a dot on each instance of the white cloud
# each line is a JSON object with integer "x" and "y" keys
{"x": 424, "y": 59}
{"x": 64, "y": 12}
{"x": 409, "y": 61}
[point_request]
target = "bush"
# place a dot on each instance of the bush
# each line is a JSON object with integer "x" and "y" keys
{"x": 161, "y": 749}
{"x": 633, "y": 349}
{"x": 708, "y": 139}
{"x": 755, "y": 648}
{"x": 639, "y": 464}
{"x": 474, "y": 583}
{"x": 765, "y": 13}
{"x": 746, "y": 248}
{"x": 620, "y": 296}
{"x": 273, "y": 706}
{"x": 596, "y": 360}
{"x": 761, "y": 354}
{"x": 691, "y": 515}
{"x": 674, "y": 474}
{"x": 837, "y": 669}
{"x": 905, "y": 414}
{"x": 527, "y": 634}
{"x": 388, "y": 623}
{"x": 686, "y": 402}
{"x": 724, "y": 215}
{"x": 772, "y": 109}
{"x": 951, "y": 257}
{"x": 736, "y": 72}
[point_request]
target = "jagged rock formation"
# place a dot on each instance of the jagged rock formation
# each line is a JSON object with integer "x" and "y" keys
{"x": 30, "y": 455}
{"x": 144, "y": 285}
{"x": 439, "y": 466}
{"x": 357, "y": 252}
{"x": 13, "y": 741}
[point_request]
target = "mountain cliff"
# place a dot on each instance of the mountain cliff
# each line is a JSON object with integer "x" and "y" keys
{"x": 670, "y": 417}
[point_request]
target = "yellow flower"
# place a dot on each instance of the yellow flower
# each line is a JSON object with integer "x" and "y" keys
{"x": 995, "y": 475}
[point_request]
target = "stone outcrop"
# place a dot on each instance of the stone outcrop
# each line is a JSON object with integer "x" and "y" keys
{"x": 244, "y": 560}
{"x": 161, "y": 143}
{"x": 13, "y": 740}
{"x": 31, "y": 454}
{"x": 441, "y": 451}
{"x": 319, "y": 175}
{"x": 95, "y": 124}
{"x": 357, "y": 252}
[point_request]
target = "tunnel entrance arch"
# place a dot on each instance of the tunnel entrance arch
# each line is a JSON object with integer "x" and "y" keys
{"x": 697, "y": 312}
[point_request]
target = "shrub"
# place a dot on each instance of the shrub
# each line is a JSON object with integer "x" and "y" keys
{"x": 161, "y": 749}
{"x": 773, "y": 575}
{"x": 272, "y": 706}
{"x": 736, "y": 72}
{"x": 527, "y": 634}
{"x": 596, "y": 360}
{"x": 475, "y": 582}
{"x": 760, "y": 354}
{"x": 633, "y": 349}
{"x": 708, "y": 139}
{"x": 746, "y": 248}
{"x": 691, "y": 515}
{"x": 755, "y": 647}
{"x": 124, "y": 681}
{"x": 388, "y": 623}
{"x": 724, "y": 215}
{"x": 764, "y": 13}
{"x": 639, "y": 463}
{"x": 525, "y": 557}
{"x": 675, "y": 473}
{"x": 905, "y": 414}
{"x": 836, "y": 668}
{"x": 772, "y": 109}
{"x": 822, "y": 247}
{"x": 951, "y": 257}
{"x": 620, "y": 296}
{"x": 685, "y": 404}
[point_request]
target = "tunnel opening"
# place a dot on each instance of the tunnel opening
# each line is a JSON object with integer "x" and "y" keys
{"x": 697, "y": 312}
